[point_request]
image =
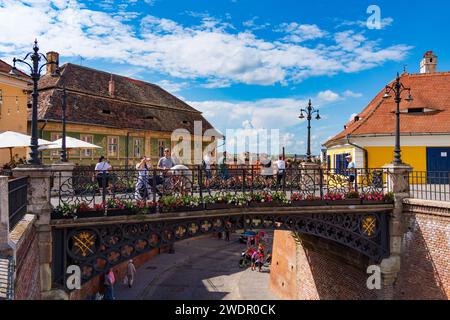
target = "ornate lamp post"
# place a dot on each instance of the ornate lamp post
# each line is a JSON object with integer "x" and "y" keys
{"x": 310, "y": 111}
{"x": 35, "y": 69}
{"x": 63, "y": 157}
{"x": 397, "y": 87}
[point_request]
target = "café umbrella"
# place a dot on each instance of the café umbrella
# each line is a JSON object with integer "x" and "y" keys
{"x": 71, "y": 143}
{"x": 11, "y": 139}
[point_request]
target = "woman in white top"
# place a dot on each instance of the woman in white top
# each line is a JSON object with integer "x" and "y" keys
{"x": 102, "y": 168}
{"x": 143, "y": 185}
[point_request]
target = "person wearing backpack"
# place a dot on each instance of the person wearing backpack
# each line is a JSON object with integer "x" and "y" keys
{"x": 206, "y": 166}
{"x": 267, "y": 171}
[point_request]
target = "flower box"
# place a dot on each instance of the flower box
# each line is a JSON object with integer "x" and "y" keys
{"x": 219, "y": 206}
{"x": 363, "y": 201}
{"x": 306, "y": 203}
{"x": 343, "y": 202}
{"x": 181, "y": 209}
{"x": 256, "y": 204}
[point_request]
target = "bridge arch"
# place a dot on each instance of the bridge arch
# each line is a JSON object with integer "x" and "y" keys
{"x": 96, "y": 244}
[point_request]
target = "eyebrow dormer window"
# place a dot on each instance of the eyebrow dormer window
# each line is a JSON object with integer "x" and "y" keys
{"x": 106, "y": 111}
{"x": 416, "y": 110}
{"x": 149, "y": 118}
{"x": 185, "y": 122}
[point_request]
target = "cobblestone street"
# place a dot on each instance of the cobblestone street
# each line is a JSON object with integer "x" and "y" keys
{"x": 203, "y": 268}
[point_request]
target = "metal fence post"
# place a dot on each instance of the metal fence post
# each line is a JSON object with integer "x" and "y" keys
{"x": 4, "y": 210}
{"x": 104, "y": 193}
{"x": 200, "y": 185}
{"x": 321, "y": 174}
{"x": 253, "y": 184}
{"x": 243, "y": 180}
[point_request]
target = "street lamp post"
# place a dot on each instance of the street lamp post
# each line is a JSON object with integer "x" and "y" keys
{"x": 309, "y": 113}
{"x": 63, "y": 157}
{"x": 35, "y": 69}
{"x": 397, "y": 87}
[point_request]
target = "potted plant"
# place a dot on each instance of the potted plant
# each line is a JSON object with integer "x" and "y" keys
{"x": 216, "y": 202}
{"x": 177, "y": 203}
{"x": 377, "y": 197}
{"x": 298, "y": 199}
{"x": 64, "y": 211}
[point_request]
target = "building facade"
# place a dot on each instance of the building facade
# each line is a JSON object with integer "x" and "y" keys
{"x": 128, "y": 118}
{"x": 424, "y": 128}
{"x": 13, "y": 107}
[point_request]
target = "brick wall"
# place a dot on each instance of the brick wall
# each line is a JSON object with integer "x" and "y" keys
{"x": 425, "y": 263}
{"x": 283, "y": 272}
{"x": 27, "y": 281}
{"x": 317, "y": 269}
{"x": 321, "y": 269}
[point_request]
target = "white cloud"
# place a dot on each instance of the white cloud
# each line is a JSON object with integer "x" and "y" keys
{"x": 351, "y": 94}
{"x": 328, "y": 96}
{"x": 171, "y": 86}
{"x": 385, "y": 22}
{"x": 300, "y": 32}
{"x": 212, "y": 51}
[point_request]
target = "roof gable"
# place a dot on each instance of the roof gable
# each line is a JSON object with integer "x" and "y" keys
{"x": 430, "y": 91}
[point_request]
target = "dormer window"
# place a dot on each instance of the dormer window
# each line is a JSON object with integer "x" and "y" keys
{"x": 416, "y": 110}
{"x": 149, "y": 118}
{"x": 356, "y": 119}
{"x": 185, "y": 122}
{"x": 106, "y": 111}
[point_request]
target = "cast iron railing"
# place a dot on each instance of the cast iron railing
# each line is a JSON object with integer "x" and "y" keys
{"x": 87, "y": 189}
{"x": 429, "y": 185}
{"x": 17, "y": 189}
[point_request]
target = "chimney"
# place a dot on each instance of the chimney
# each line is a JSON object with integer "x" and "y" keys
{"x": 112, "y": 87}
{"x": 428, "y": 63}
{"x": 52, "y": 56}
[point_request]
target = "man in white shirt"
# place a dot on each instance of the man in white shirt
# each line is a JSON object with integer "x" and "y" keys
{"x": 102, "y": 168}
{"x": 281, "y": 169}
{"x": 351, "y": 171}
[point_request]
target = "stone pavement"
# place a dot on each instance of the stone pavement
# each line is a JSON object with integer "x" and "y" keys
{"x": 203, "y": 268}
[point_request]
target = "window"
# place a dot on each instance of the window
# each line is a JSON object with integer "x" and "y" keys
{"x": 17, "y": 104}
{"x": 53, "y": 137}
{"x": 416, "y": 110}
{"x": 138, "y": 143}
{"x": 105, "y": 111}
{"x": 89, "y": 139}
{"x": 341, "y": 163}
{"x": 113, "y": 146}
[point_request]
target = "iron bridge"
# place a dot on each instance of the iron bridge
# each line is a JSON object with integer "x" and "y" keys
{"x": 98, "y": 245}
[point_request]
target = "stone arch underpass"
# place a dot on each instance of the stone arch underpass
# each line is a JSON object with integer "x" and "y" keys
{"x": 95, "y": 244}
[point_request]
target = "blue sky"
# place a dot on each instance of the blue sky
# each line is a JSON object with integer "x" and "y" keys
{"x": 244, "y": 63}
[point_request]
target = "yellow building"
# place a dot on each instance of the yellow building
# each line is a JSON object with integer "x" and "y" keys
{"x": 425, "y": 126}
{"x": 13, "y": 107}
{"x": 128, "y": 118}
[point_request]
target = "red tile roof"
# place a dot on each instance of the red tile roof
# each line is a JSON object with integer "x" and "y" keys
{"x": 430, "y": 91}
{"x": 135, "y": 104}
{"x": 6, "y": 68}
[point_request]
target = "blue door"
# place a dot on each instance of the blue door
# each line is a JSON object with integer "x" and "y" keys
{"x": 438, "y": 165}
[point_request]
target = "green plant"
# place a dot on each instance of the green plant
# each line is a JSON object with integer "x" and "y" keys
{"x": 352, "y": 195}
{"x": 390, "y": 197}
{"x": 67, "y": 209}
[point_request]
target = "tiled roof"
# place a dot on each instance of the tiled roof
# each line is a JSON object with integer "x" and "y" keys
{"x": 430, "y": 91}
{"x": 135, "y": 104}
{"x": 6, "y": 68}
